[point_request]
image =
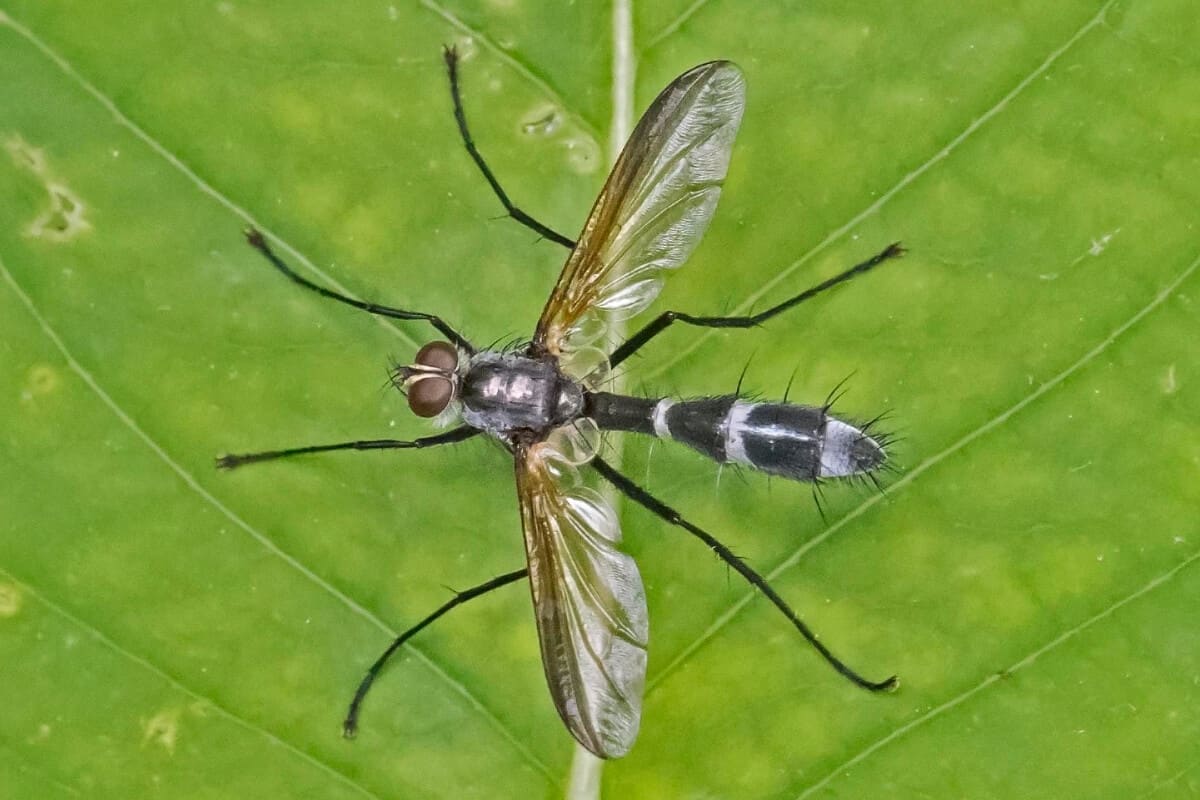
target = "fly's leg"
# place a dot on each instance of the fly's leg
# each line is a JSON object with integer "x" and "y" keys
{"x": 665, "y": 512}
{"x": 664, "y": 320}
{"x": 350, "y": 725}
{"x": 449, "y": 437}
{"x": 256, "y": 240}
{"x": 451, "y": 57}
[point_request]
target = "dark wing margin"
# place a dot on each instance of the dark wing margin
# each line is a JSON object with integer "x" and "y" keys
{"x": 652, "y": 211}
{"x": 588, "y": 600}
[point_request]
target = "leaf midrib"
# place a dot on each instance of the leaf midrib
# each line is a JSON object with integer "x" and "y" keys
{"x": 825, "y": 243}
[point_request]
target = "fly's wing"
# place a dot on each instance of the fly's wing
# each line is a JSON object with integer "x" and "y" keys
{"x": 588, "y": 599}
{"x": 652, "y": 211}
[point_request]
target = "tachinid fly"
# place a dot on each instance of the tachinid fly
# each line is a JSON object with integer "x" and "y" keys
{"x": 547, "y": 405}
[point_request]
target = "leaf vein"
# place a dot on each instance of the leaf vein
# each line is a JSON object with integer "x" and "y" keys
{"x": 146, "y": 664}
{"x": 901, "y": 185}
{"x": 175, "y": 161}
{"x": 518, "y": 66}
{"x": 675, "y": 24}
{"x": 1158, "y": 787}
{"x": 29, "y": 768}
{"x": 267, "y": 543}
{"x": 583, "y": 781}
{"x": 997, "y": 677}
{"x": 922, "y": 468}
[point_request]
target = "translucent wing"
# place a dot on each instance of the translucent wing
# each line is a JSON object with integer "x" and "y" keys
{"x": 588, "y": 599}
{"x": 652, "y": 211}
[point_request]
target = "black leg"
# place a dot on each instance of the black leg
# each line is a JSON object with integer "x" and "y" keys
{"x": 350, "y": 725}
{"x": 648, "y": 501}
{"x": 451, "y": 56}
{"x": 664, "y": 320}
{"x": 449, "y": 437}
{"x": 259, "y": 243}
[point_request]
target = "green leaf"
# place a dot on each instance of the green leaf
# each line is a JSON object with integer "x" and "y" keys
{"x": 1031, "y": 574}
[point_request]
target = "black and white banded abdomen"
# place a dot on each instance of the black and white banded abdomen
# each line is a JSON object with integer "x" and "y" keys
{"x": 804, "y": 443}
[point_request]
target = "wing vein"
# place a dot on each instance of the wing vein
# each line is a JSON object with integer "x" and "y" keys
{"x": 652, "y": 211}
{"x": 589, "y": 602}
{"x": 633, "y": 237}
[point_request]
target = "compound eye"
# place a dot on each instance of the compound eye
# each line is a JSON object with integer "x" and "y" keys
{"x": 439, "y": 355}
{"x": 429, "y": 396}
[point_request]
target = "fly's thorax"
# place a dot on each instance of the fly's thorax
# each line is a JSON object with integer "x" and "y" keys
{"x": 505, "y": 392}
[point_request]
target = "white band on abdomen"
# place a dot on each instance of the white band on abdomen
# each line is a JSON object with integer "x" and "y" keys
{"x": 837, "y": 450}
{"x": 659, "y": 417}
{"x": 735, "y": 423}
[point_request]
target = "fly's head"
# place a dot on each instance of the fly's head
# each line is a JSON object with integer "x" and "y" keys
{"x": 432, "y": 381}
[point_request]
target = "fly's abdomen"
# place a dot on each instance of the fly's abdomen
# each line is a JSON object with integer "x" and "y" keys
{"x": 800, "y": 442}
{"x": 803, "y": 443}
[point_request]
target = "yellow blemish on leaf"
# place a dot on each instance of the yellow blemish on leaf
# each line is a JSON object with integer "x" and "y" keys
{"x": 42, "y": 379}
{"x": 162, "y": 729}
{"x": 25, "y": 155}
{"x": 1170, "y": 384}
{"x": 583, "y": 155}
{"x": 364, "y": 234}
{"x": 294, "y": 110}
{"x": 200, "y": 708}
{"x": 321, "y": 197}
{"x": 542, "y": 120}
{"x": 64, "y": 218}
{"x": 1072, "y": 568}
{"x": 10, "y": 600}
{"x": 466, "y": 48}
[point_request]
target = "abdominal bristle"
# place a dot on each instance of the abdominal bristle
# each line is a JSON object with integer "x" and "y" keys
{"x": 887, "y": 466}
